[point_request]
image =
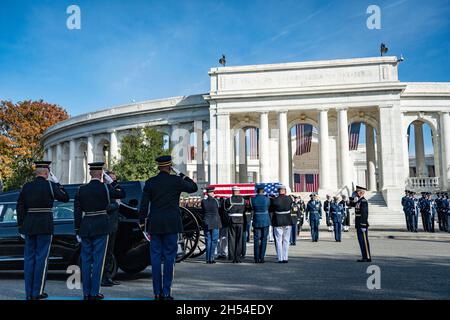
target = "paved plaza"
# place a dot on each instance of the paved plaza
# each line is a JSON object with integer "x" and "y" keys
{"x": 413, "y": 266}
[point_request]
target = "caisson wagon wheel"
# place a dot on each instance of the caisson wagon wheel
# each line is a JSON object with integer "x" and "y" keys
{"x": 191, "y": 233}
{"x": 201, "y": 247}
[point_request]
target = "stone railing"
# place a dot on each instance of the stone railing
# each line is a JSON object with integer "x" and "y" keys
{"x": 419, "y": 184}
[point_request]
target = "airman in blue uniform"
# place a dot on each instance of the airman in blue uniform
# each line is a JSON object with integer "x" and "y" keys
{"x": 210, "y": 208}
{"x": 160, "y": 208}
{"x": 337, "y": 216}
{"x": 35, "y": 222}
{"x": 406, "y": 209}
{"x": 362, "y": 223}
{"x": 314, "y": 215}
{"x": 411, "y": 211}
{"x": 261, "y": 221}
{"x": 94, "y": 203}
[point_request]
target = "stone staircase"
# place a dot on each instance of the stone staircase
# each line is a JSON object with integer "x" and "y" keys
{"x": 380, "y": 215}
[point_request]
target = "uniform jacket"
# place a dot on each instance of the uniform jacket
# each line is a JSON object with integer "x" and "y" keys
{"x": 92, "y": 208}
{"x": 326, "y": 205}
{"x": 337, "y": 213}
{"x": 260, "y": 205}
{"x": 34, "y": 206}
{"x": 160, "y": 202}
{"x": 210, "y": 209}
{"x": 114, "y": 214}
{"x": 345, "y": 204}
{"x": 313, "y": 210}
{"x": 404, "y": 202}
{"x": 361, "y": 213}
{"x": 280, "y": 208}
{"x": 234, "y": 208}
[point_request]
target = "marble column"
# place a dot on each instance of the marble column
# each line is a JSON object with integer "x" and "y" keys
{"x": 223, "y": 148}
{"x": 243, "y": 173}
{"x": 421, "y": 170}
{"x": 344, "y": 153}
{"x": 370, "y": 159}
{"x": 49, "y": 154}
{"x": 90, "y": 149}
{"x": 283, "y": 143}
{"x": 324, "y": 156}
{"x": 58, "y": 169}
{"x": 72, "y": 162}
{"x": 113, "y": 148}
{"x": 264, "y": 165}
{"x": 445, "y": 136}
{"x": 212, "y": 147}
{"x": 198, "y": 129}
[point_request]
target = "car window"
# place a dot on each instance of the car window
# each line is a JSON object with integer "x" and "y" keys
{"x": 63, "y": 211}
{"x": 8, "y": 213}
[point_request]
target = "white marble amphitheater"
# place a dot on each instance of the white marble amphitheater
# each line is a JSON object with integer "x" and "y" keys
{"x": 211, "y": 133}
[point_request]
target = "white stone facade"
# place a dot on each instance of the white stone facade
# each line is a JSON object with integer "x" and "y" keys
{"x": 330, "y": 95}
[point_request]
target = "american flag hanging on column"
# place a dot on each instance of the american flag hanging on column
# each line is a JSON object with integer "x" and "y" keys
{"x": 252, "y": 142}
{"x": 308, "y": 182}
{"x": 303, "y": 138}
{"x": 354, "y": 136}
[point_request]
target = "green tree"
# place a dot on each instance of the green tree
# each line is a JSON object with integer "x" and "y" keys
{"x": 137, "y": 154}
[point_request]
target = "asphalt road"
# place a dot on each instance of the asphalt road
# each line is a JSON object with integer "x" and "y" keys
{"x": 412, "y": 266}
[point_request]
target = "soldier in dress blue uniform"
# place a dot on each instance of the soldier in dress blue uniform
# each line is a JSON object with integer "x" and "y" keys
{"x": 35, "y": 222}
{"x": 326, "y": 208}
{"x": 314, "y": 215}
{"x": 346, "y": 206}
{"x": 445, "y": 214}
{"x": 439, "y": 203}
{"x": 296, "y": 215}
{"x": 234, "y": 210}
{"x": 93, "y": 204}
{"x": 210, "y": 207}
{"x": 406, "y": 210}
{"x": 337, "y": 215}
{"x": 261, "y": 221}
{"x": 362, "y": 223}
{"x": 423, "y": 207}
{"x": 280, "y": 210}
{"x": 411, "y": 210}
{"x": 160, "y": 208}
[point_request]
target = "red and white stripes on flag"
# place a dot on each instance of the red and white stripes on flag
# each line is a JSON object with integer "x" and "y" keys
{"x": 353, "y": 135}
{"x": 252, "y": 143}
{"x": 224, "y": 190}
{"x": 303, "y": 138}
{"x": 308, "y": 182}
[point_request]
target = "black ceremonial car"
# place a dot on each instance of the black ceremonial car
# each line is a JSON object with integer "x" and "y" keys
{"x": 131, "y": 250}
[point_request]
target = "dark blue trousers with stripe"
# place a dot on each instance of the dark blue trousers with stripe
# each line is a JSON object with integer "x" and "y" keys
{"x": 363, "y": 239}
{"x": 93, "y": 253}
{"x": 163, "y": 247}
{"x": 37, "y": 250}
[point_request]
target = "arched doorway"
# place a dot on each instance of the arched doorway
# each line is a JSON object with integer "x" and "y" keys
{"x": 304, "y": 155}
{"x": 246, "y": 151}
{"x": 423, "y": 159}
{"x": 363, "y": 146}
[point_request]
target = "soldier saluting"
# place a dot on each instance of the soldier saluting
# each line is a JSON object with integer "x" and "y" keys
{"x": 160, "y": 206}
{"x": 234, "y": 208}
{"x": 361, "y": 223}
{"x": 93, "y": 203}
{"x": 35, "y": 221}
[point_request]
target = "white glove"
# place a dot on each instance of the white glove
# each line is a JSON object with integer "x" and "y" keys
{"x": 78, "y": 239}
{"x": 177, "y": 172}
{"x": 22, "y": 236}
{"x": 363, "y": 229}
{"x": 107, "y": 178}
{"x": 53, "y": 178}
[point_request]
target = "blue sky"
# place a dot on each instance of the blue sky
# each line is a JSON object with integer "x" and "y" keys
{"x": 144, "y": 50}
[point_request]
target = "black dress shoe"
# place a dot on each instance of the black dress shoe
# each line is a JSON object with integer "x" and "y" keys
{"x": 86, "y": 297}
{"x": 285, "y": 261}
{"x": 158, "y": 297}
{"x": 214, "y": 261}
{"x": 221, "y": 258}
{"x": 261, "y": 261}
{"x": 42, "y": 296}
{"x": 99, "y": 296}
{"x": 167, "y": 298}
{"x": 107, "y": 283}
{"x": 115, "y": 282}
{"x": 280, "y": 261}
{"x": 29, "y": 298}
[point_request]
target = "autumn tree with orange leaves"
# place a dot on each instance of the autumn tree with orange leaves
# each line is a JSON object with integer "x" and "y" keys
{"x": 21, "y": 127}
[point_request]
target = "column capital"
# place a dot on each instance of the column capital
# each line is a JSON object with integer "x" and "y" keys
{"x": 222, "y": 113}
{"x": 263, "y": 112}
{"x": 385, "y": 106}
{"x": 321, "y": 109}
{"x": 282, "y": 111}
{"x": 342, "y": 108}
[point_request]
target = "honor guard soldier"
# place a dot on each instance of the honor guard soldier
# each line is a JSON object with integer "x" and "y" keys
{"x": 35, "y": 222}
{"x": 362, "y": 223}
{"x": 440, "y": 209}
{"x": 326, "y": 208}
{"x": 280, "y": 208}
{"x": 108, "y": 281}
{"x": 337, "y": 216}
{"x": 445, "y": 212}
{"x": 160, "y": 208}
{"x": 234, "y": 209}
{"x": 411, "y": 210}
{"x": 346, "y": 206}
{"x": 423, "y": 205}
{"x": 314, "y": 215}
{"x": 210, "y": 208}
{"x": 261, "y": 221}
{"x": 405, "y": 209}
{"x": 247, "y": 227}
{"x": 93, "y": 204}
{"x": 296, "y": 216}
